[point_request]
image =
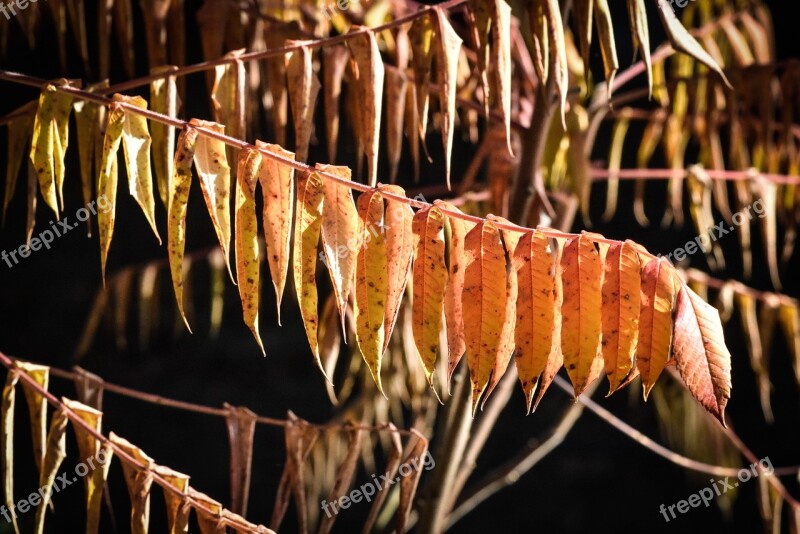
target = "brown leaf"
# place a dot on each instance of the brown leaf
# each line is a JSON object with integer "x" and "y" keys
{"x": 399, "y": 254}
{"x": 658, "y": 289}
{"x": 303, "y": 90}
{"x": 334, "y": 63}
{"x": 344, "y": 477}
{"x": 55, "y": 453}
{"x": 369, "y": 84}
{"x": 177, "y": 514}
{"x": 138, "y": 482}
{"x": 416, "y": 448}
{"x": 241, "y": 425}
{"x": 396, "y": 89}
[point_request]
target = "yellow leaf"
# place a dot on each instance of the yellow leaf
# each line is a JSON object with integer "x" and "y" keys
{"x": 584, "y": 13}
{"x": 107, "y": 182}
{"x": 55, "y": 453}
{"x": 399, "y": 254}
{"x": 303, "y": 90}
{"x": 37, "y": 407}
{"x": 248, "y": 262}
{"x": 136, "y": 143}
{"x": 308, "y": 219}
{"x": 789, "y": 318}
{"x": 177, "y": 514}
{"x": 608, "y": 47}
{"x": 138, "y": 483}
{"x": 7, "y": 442}
{"x": 339, "y": 235}
{"x": 421, "y": 34}
{"x": 369, "y": 85}
{"x": 558, "y": 51}
{"x": 658, "y": 289}
{"x": 178, "y": 198}
{"x": 228, "y": 94}
{"x": 88, "y": 119}
{"x": 701, "y": 355}
{"x": 371, "y": 282}
{"x": 541, "y": 41}
{"x": 768, "y": 192}
{"x": 91, "y": 450}
{"x": 581, "y": 275}
{"x": 430, "y": 277}
{"x": 640, "y": 32}
{"x": 277, "y": 188}
{"x": 396, "y": 89}
{"x": 620, "y": 311}
{"x": 208, "y": 523}
{"x": 49, "y": 143}
{"x": 618, "y": 134}
{"x": 483, "y": 302}
{"x": 211, "y": 163}
{"x": 536, "y": 313}
{"x": 164, "y": 99}
{"x": 447, "y": 53}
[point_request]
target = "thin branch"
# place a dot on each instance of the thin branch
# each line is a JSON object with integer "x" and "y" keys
{"x": 662, "y": 174}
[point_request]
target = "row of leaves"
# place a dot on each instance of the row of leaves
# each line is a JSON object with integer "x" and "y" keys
{"x": 340, "y": 449}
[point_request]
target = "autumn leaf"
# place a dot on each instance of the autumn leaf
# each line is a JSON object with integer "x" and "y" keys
{"x": 369, "y": 84}
{"x": 608, "y": 47}
{"x": 535, "y": 321}
{"x": 415, "y": 450}
{"x": 211, "y": 163}
{"x": 7, "y": 442}
{"x": 164, "y": 99}
{"x": 448, "y": 47}
{"x": 55, "y": 453}
{"x": 248, "y": 263}
{"x": 483, "y": 302}
{"x": 581, "y": 274}
{"x": 334, "y": 63}
{"x": 178, "y": 198}
{"x": 621, "y": 294}
{"x": 49, "y": 143}
{"x": 396, "y": 90}
{"x": 398, "y": 226}
{"x": 241, "y": 425}
{"x": 177, "y": 514}
{"x": 421, "y": 34}
{"x": 344, "y": 476}
{"x": 37, "y": 407}
{"x": 430, "y": 277}
{"x": 658, "y": 289}
{"x": 640, "y": 33}
{"x": 339, "y": 235}
{"x": 371, "y": 282}
{"x": 228, "y": 94}
{"x": 88, "y": 119}
{"x": 703, "y": 359}
{"x": 107, "y": 182}
{"x": 303, "y": 90}
{"x": 277, "y": 189}
{"x": 308, "y": 220}
{"x": 138, "y": 483}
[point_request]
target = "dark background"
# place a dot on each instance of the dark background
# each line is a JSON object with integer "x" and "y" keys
{"x": 597, "y": 480}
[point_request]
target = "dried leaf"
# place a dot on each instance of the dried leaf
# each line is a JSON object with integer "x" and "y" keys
{"x": 177, "y": 514}
{"x": 392, "y": 464}
{"x": 396, "y": 89}
{"x": 339, "y": 235}
{"x": 658, "y": 289}
{"x": 767, "y": 192}
{"x": 138, "y": 482}
{"x": 398, "y": 226}
{"x": 49, "y": 143}
{"x": 789, "y": 318}
{"x": 208, "y": 523}
{"x": 334, "y": 63}
{"x": 308, "y": 220}
{"x": 178, "y": 198}
{"x": 212, "y": 167}
{"x": 7, "y": 443}
{"x": 700, "y": 352}
{"x": 248, "y": 257}
{"x": 277, "y": 188}
{"x": 584, "y": 13}
{"x": 620, "y": 311}
{"x": 344, "y": 477}
{"x": 558, "y": 51}
{"x": 303, "y": 90}
{"x": 421, "y": 34}
{"x": 369, "y": 84}
{"x": 483, "y": 302}
{"x": 107, "y": 182}
{"x": 88, "y": 119}
{"x": 241, "y": 425}
{"x": 581, "y": 274}
{"x": 430, "y": 277}
{"x": 608, "y": 46}
{"x": 447, "y": 53}
{"x": 55, "y": 453}
{"x": 759, "y": 358}
{"x": 371, "y": 282}
{"x": 618, "y": 134}
{"x": 228, "y": 94}
{"x": 299, "y": 438}
{"x": 37, "y": 407}
{"x": 416, "y": 449}
{"x": 641, "y": 36}
{"x": 164, "y": 99}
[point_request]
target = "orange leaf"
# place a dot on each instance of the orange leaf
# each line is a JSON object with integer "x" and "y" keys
{"x": 399, "y": 253}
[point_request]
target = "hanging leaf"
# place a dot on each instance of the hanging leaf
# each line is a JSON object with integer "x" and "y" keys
{"x": 277, "y": 188}
{"x": 682, "y": 41}
{"x": 339, "y": 235}
{"x": 501, "y": 57}
{"x": 789, "y": 317}
{"x": 392, "y": 465}
{"x": 164, "y": 99}
{"x": 430, "y": 277}
{"x": 558, "y": 51}
{"x": 49, "y": 144}
{"x": 248, "y": 256}
{"x": 541, "y": 41}
{"x": 658, "y": 289}
{"x": 581, "y": 274}
{"x": 641, "y": 37}
{"x": 344, "y": 477}
{"x": 88, "y": 119}
{"x": 369, "y": 84}
{"x": 700, "y": 352}
{"x": 334, "y": 63}
{"x": 396, "y": 89}
{"x": 138, "y": 483}
{"x": 303, "y": 90}
{"x": 415, "y": 450}
{"x": 483, "y": 302}
{"x": 208, "y": 523}
{"x": 371, "y": 282}
{"x": 215, "y": 181}
{"x": 759, "y": 359}
{"x": 651, "y": 138}
{"x": 608, "y": 46}
{"x": 584, "y": 13}
{"x": 398, "y": 226}
{"x": 228, "y": 94}
{"x": 308, "y": 220}
{"x": 241, "y": 425}
{"x": 620, "y": 311}
{"x": 767, "y": 192}
{"x": 421, "y": 34}
{"x": 136, "y": 143}
{"x": 7, "y": 443}
{"x": 448, "y": 48}
{"x": 618, "y": 134}
{"x": 107, "y": 182}
{"x": 55, "y": 453}
{"x": 37, "y": 407}
{"x": 90, "y": 450}
{"x": 299, "y": 438}
{"x": 177, "y": 514}
{"x": 699, "y": 185}
{"x": 178, "y": 198}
